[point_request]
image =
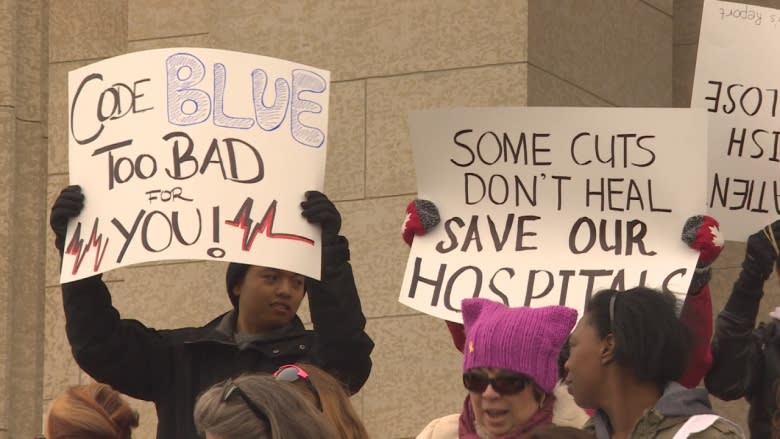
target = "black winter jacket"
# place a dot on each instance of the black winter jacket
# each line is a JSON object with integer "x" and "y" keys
{"x": 746, "y": 359}
{"x": 172, "y": 367}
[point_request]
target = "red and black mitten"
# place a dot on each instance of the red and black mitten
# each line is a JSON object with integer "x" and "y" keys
{"x": 421, "y": 217}
{"x": 702, "y": 233}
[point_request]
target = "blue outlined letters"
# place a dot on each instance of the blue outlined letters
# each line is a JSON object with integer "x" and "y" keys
{"x": 190, "y": 102}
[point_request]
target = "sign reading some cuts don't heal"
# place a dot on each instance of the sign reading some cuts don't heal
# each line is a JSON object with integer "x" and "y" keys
{"x": 195, "y": 154}
{"x": 737, "y": 81}
{"x": 544, "y": 206}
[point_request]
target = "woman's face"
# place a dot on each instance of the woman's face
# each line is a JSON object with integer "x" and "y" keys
{"x": 497, "y": 414}
{"x": 588, "y": 354}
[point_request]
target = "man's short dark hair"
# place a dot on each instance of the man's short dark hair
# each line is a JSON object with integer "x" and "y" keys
{"x": 233, "y": 277}
{"x": 649, "y": 338}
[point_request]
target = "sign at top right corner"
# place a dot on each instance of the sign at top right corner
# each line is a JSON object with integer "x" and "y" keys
{"x": 737, "y": 80}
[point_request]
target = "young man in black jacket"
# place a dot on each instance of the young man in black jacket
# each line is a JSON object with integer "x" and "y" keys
{"x": 746, "y": 359}
{"x": 261, "y": 333}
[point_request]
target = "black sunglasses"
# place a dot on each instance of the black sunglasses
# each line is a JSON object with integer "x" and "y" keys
{"x": 503, "y": 383}
{"x": 231, "y": 388}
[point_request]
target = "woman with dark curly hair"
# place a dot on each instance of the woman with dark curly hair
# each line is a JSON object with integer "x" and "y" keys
{"x": 626, "y": 355}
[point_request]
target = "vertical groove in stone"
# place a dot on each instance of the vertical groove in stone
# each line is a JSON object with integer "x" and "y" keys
{"x": 7, "y": 156}
{"x": 7, "y": 134}
{"x": 7, "y": 52}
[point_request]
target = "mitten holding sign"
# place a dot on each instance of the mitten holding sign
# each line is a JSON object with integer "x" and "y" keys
{"x": 701, "y": 233}
{"x": 421, "y": 217}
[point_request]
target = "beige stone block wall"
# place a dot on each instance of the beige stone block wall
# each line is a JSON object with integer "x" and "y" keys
{"x": 618, "y": 51}
{"x": 357, "y": 39}
{"x": 687, "y": 19}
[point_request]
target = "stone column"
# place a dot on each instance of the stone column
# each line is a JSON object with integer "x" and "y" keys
{"x": 23, "y": 53}
{"x": 80, "y": 32}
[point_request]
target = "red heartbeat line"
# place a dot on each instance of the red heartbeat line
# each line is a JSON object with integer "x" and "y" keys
{"x": 76, "y": 247}
{"x": 266, "y": 225}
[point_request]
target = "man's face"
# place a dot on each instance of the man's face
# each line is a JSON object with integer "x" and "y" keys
{"x": 268, "y": 299}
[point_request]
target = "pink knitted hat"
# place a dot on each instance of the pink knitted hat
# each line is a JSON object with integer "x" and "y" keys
{"x": 523, "y": 340}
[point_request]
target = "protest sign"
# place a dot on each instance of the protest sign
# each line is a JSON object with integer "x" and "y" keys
{"x": 736, "y": 82}
{"x": 192, "y": 153}
{"x": 545, "y": 206}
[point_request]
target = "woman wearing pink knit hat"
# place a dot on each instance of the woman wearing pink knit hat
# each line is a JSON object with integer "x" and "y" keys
{"x": 510, "y": 369}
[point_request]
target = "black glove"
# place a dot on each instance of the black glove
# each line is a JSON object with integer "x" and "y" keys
{"x": 68, "y": 204}
{"x": 761, "y": 253}
{"x": 320, "y": 210}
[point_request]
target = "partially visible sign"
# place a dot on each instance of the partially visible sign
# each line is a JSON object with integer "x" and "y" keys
{"x": 736, "y": 81}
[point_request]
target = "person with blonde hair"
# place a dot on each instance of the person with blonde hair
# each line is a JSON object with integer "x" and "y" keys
{"x": 328, "y": 394}
{"x": 91, "y": 411}
{"x": 259, "y": 407}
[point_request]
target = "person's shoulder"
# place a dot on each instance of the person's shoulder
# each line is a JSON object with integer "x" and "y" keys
{"x": 721, "y": 428}
{"x": 445, "y": 427}
{"x": 725, "y": 427}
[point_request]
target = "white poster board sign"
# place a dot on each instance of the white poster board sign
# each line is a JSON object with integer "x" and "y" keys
{"x": 736, "y": 80}
{"x": 545, "y": 206}
{"x": 192, "y": 153}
